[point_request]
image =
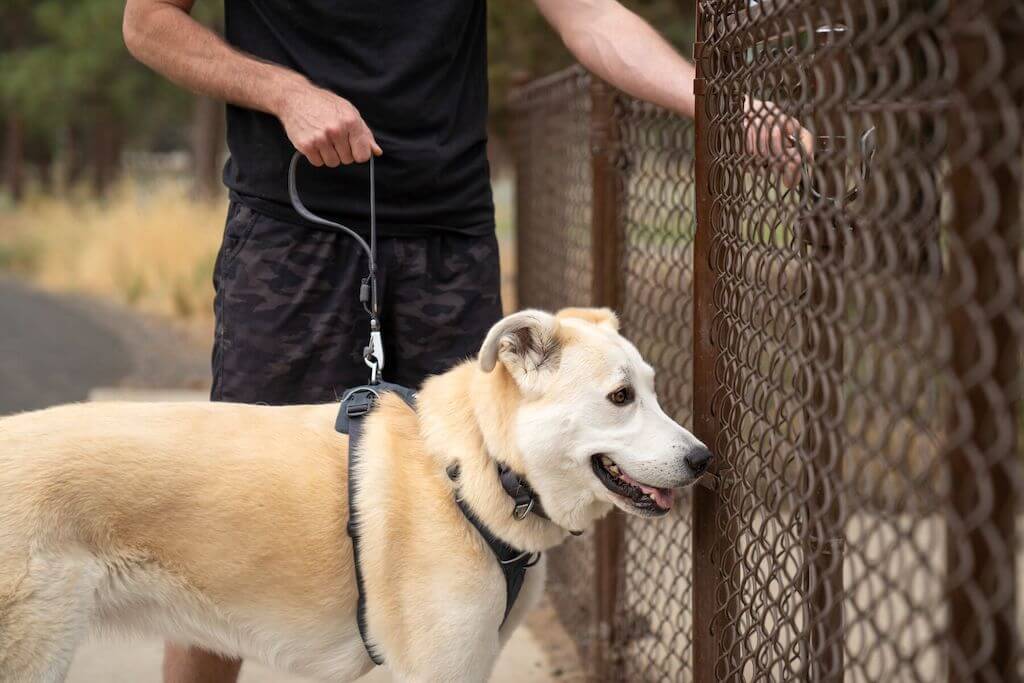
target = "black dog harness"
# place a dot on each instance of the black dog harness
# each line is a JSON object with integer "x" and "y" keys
{"x": 355, "y": 406}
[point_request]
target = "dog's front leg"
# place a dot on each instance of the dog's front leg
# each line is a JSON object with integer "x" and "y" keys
{"x": 464, "y": 656}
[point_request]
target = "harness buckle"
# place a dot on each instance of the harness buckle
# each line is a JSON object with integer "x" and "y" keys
{"x": 522, "y": 509}
{"x": 359, "y": 401}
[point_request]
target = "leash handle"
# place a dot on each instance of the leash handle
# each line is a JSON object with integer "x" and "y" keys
{"x": 373, "y": 354}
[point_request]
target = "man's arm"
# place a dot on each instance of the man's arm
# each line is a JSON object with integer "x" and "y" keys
{"x": 326, "y": 128}
{"x": 623, "y": 49}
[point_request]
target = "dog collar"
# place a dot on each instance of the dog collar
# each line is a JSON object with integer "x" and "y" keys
{"x": 522, "y": 494}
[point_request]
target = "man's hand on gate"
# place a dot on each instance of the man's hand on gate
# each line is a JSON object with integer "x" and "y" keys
{"x": 773, "y": 135}
{"x": 326, "y": 128}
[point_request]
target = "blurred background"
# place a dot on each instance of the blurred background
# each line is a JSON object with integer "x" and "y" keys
{"x": 111, "y": 175}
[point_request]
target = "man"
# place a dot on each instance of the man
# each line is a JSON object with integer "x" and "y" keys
{"x": 340, "y": 81}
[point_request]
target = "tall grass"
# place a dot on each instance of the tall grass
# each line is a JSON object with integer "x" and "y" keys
{"x": 151, "y": 247}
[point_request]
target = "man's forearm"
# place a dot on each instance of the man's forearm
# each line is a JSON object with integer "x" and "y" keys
{"x": 322, "y": 125}
{"x": 623, "y": 49}
{"x": 166, "y": 38}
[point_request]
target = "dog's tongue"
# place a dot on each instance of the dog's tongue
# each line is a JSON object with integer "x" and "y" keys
{"x": 662, "y": 497}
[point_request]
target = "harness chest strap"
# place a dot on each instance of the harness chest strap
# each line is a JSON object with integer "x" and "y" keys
{"x": 513, "y": 562}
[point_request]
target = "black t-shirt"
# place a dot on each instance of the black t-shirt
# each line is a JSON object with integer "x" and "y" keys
{"x": 417, "y": 72}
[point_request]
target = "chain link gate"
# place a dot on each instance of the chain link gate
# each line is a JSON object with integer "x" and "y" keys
{"x": 850, "y": 347}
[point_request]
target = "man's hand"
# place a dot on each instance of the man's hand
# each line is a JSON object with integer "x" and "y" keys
{"x": 326, "y": 128}
{"x": 624, "y": 50}
{"x": 777, "y": 138}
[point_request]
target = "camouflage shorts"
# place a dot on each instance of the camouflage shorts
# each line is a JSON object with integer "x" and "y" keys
{"x": 290, "y": 328}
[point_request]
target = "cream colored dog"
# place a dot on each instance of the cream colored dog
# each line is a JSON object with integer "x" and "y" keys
{"x": 224, "y": 526}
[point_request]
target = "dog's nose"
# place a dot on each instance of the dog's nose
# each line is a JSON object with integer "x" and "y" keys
{"x": 698, "y": 460}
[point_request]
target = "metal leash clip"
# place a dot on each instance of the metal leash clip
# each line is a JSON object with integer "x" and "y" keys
{"x": 373, "y": 354}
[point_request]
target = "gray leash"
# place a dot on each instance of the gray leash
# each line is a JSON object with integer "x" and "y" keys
{"x": 373, "y": 354}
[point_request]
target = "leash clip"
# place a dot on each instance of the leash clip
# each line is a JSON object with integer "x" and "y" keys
{"x": 373, "y": 355}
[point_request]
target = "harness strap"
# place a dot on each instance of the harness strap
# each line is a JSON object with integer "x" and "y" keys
{"x": 355, "y": 406}
{"x": 513, "y": 562}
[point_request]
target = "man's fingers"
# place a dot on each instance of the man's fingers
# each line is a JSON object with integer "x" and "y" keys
{"x": 377, "y": 151}
{"x": 329, "y": 154}
{"x": 312, "y": 154}
{"x": 362, "y": 145}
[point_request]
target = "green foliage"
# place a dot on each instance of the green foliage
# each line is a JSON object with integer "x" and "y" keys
{"x": 63, "y": 64}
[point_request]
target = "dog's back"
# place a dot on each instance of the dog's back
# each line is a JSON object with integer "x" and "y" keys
{"x": 103, "y": 505}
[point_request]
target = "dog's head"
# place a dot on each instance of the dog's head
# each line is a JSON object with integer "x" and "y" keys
{"x": 588, "y": 426}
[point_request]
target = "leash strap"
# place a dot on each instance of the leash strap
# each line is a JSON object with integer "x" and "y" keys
{"x": 373, "y": 353}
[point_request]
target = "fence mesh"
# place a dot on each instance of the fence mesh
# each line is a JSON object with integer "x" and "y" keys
{"x": 655, "y": 160}
{"x": 865, "y": 341}
{"x": 866, "y": 327}
{"x": 553, "y": 235}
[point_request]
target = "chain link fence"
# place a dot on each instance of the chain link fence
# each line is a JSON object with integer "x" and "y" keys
{"x": 849, "y": 346}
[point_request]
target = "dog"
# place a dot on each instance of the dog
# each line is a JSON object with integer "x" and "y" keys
{"x": 224, "y": 526}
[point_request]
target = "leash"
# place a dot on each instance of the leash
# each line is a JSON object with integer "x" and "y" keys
{"x": 373, "y": 353}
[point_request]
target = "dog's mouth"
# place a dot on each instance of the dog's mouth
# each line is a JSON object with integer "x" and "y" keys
{"x": 647, "y": 500}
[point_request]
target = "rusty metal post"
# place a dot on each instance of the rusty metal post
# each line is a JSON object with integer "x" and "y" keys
{"x": 983, "y": 425}
{"x": 713, "y": 610}
{"x": 822, "y": 442}
{"x": 605, "y": 287}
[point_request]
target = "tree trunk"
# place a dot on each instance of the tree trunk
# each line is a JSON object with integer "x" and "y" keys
{"x": 14, "y": 155}
{"x": 106, "y": 155}
{"x": 75, "y": 156}
{"x": 207, "y": 144}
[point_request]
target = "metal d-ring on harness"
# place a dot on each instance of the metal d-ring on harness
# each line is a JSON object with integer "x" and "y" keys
{"x": 373, "y": 354}
{"x": 359, "y": 401}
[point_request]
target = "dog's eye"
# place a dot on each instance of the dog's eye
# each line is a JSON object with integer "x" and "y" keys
{"x": 622, "y": 396}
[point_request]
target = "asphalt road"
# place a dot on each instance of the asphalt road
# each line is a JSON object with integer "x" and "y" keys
{"x": 52, "y": 351}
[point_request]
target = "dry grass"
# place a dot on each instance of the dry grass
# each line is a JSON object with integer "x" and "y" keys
{"x": 151, "y": 248}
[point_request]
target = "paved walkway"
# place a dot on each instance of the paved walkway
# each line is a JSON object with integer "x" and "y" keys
{"x": 522, "y": 661}
{"x": 52, "y": 352}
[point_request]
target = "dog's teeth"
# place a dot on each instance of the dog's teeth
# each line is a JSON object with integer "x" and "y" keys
{"x": 606, "y": 461}
{"x": 614, "y": 469}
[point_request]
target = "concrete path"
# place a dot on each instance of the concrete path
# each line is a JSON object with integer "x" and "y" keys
{"x": 522, "y": 661}
{"x": 52, "y": 352}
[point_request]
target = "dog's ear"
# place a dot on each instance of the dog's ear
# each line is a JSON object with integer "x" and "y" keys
{"x": 526, "y": 343}
{"x": 605, "y": 317}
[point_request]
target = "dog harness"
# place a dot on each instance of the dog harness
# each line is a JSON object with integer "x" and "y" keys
{"x": 355, "y": 406}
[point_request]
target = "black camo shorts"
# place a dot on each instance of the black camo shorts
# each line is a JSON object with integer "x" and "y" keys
{"x": 289, "y": 324}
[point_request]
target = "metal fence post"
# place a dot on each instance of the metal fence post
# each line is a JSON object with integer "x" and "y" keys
{"x": 605, "y": 287}
{"x": 711, "y": 624}
{"x": 983, "y": 426}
